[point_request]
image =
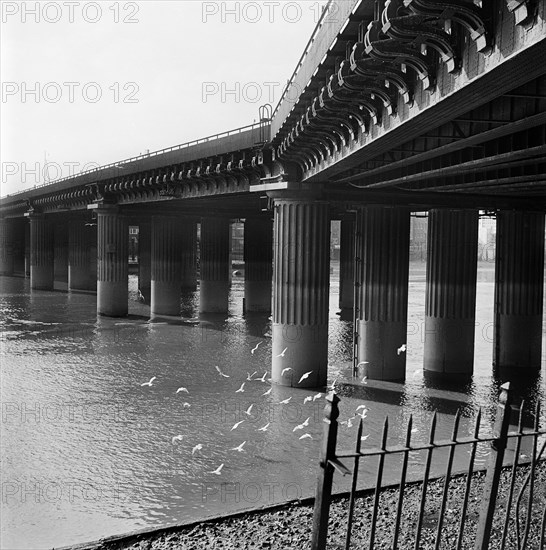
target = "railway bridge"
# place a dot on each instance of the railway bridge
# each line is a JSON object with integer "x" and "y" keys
{"x": 395, "y": 107}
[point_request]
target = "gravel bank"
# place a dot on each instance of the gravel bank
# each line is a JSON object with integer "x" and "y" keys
{"x": 289, "y": 527}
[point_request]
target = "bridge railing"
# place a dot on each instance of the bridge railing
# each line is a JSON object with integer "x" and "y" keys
{"x": 145, "y": 156}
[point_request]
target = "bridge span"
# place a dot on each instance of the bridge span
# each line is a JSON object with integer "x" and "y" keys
{"x": 395, "y": 107}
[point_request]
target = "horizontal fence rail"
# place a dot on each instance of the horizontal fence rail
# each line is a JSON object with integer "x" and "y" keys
{"x": 516, "y": 525}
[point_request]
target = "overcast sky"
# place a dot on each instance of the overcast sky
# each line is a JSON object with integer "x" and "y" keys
{"x": 89, "y": 83}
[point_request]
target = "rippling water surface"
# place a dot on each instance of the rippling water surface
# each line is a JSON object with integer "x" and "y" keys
{"x": 88, "y": 452}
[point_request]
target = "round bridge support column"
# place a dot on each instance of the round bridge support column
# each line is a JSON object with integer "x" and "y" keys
{"x": 189, "y": 255}
{"x": 166, "y": 266}
{"x": 450, "y": 309}
{"x": 112, "y": 268}
{"x": 384, "y": 271}
{"x": 519, "y": 290}
{"x": 258, "y": 257}
{"x": 300, "y": 292}
{"x": 215, "y": 265}
{"x": 60, "y": 253}
{"x": 41, "y": 252}
{"x": 6, "y": 246}
{"x": 145, "y": 259}
{"x": 347, "y": 264}
{"x": 82, "y": 253}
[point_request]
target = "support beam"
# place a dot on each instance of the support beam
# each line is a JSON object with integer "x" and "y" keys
{"x": 82, "y": 256}
{"x": 347, "y": 264}
{"x": 300, "y": 292}
{"x": 41, "y": 252}
{"x": 166, "y": 266}
{"x": 27, "y": 248}
{"x": 112, "y": 268}
{"x": 383, "y": 308}
{"x": 519, "y": 290}
{"x": 258, "y": 257}
{"x": 450, "y": 309}
{"x": 215, "y": 265}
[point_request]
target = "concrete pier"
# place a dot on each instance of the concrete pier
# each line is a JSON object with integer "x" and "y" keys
{"x": 145, "y": 259}
{"x": 188, "y": 235}
{"x": 60, "y": 252}
{"x": 112, "y": 268}
{"x": 347, "y": 264}
{"x": 6, "y": 246}
{"x": 383, "y": 307}
{"x": 41, "y": 252}
{"x": 450, "y": 308}
{"x": 519, "y": 290}
{"x": 215, "y": 265}
{"x": 300, "y": 292}
{"x": 166, "y": 266}
{"x": 258, "y": 257}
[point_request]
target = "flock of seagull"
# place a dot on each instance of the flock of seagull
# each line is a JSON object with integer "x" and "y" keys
{"x": 361, "y": 411}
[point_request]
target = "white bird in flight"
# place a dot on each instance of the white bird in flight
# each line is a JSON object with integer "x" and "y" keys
{"x": 282, "y": 353}
{"x": 304, "y": 376}
{"x": 185, "y": 390}
{"x": 361, "y": 407}
{"x": 401, "y": 349}
{"x": 285, "y": 401}
{"x": 302, "y": 425}
{"x": 239, "y": 448}
{"x": 186, "y": 405}
{"x": 241, "y": 389}
{"x": 264, "y": 428}
{"x": 177, "y": 438}
{"x": 364, "y": 437}
{"x": 218, "y": 470}
{"x": 262, "y": 379}
{"x": 198, "y": 447}
{"x": 255, "y": 348}
{"x": 249, "y": 376}
{"x": 305, "y": 436}
{"x": 267, "y": 392}
{"x": 220, "y": 372}
{"x": 362, "y": 363}
{"x": 249, "y": 409}
{"x": 149, "y": 383}
{"x": 236, "y": 425}
{"x": 307, "y": 399}
{"x": 317, "y": 396}
{"x": 285, "y": 370}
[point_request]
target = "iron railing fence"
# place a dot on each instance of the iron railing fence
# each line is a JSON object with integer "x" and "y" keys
{"x": 513, "y": 513}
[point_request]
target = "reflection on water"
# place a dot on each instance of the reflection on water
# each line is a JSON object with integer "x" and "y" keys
{"x": 88, "y": 451}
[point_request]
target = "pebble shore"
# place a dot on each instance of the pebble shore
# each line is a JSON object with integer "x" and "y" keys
{"x": 289, "y": 527}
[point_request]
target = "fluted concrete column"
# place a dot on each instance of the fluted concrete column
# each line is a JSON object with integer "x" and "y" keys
{"x": 450, "y": 308}
{"x": 145, "y": 259}
{"x": 6, "y": 246}
{"x": 166, "y": 266}
{"x": 301, "y": 273}
{"x": 258, "y": 258}
{"x": 82, "y": 254}
{"x": 519, "y": 290}
{"x": 384, "y": 272}
{"x": 27, "y": 248}
{"x": 215, "y": 265}
{"x": 112, "y": 267}
{"x": 41, "y": 252}
{"x": 347, "y": 264}
{"x": 60, "y": 252}
{"x": 189, "y": 254}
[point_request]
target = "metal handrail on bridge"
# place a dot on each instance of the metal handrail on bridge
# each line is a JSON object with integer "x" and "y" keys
{"x": 145, "y": 155}
{"x": 303, "y": 55}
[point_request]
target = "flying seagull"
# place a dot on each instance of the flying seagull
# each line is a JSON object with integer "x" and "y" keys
{"x": 401, "y": 349}
{"x": 185, "y": 390}
{"x": 255, "y": 348}
{"x": 304, "y": 376}
{"x": 285, "y": 370}
{"x": 241, "y": 389}
{"x": 282, "y": 353}
{"x": 264, "y": 429}
{"x": 239, "y": 448}
{"x": 198, "y": 447}
{"x": 177, "y": 438}
{"x": 220, "y": 372}
{"x": 218, "y": 470}
{"x": 150, "y": 382}
{"x": 236, "y": 425}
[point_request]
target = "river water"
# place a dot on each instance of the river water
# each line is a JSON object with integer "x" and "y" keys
{"x": 87, "y": 451}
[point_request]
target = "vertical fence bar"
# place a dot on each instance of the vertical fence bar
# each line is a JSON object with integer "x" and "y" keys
{"x": 469, "y": 480}
{"x": 353, "y": 487}
{"x": 512, "y": 478}
{"x": 492, "y": 478}
{"x": 425, "y": 482}
{"x": 532, "y": 477}
{"x": 447, "y": 481}
{"x": 326, "y": 473}
{"x": 357, "y": 280}
{"x": 377, "y": 494}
